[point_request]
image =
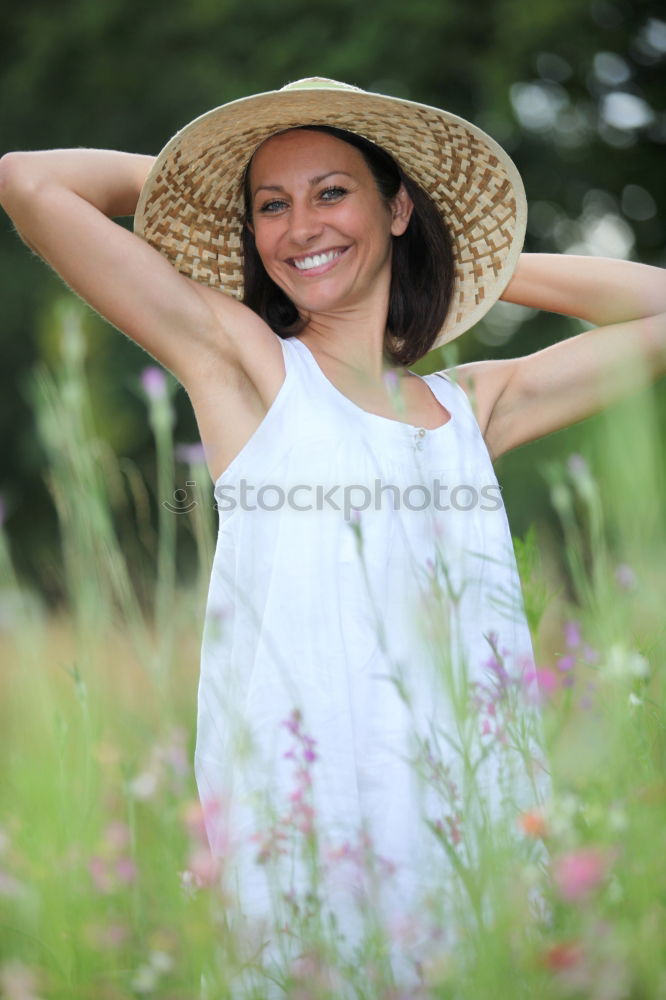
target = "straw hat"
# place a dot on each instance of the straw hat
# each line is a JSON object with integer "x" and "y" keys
{"x": 191, "y": 205}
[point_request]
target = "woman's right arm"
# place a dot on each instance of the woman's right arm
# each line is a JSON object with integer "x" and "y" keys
{"x": 62, "y": 203}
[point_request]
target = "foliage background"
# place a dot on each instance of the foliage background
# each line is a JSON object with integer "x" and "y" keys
{"x": 573, "y": 90}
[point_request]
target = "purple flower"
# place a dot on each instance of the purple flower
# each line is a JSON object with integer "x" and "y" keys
{"x": 193, "y": 453}
{"x": 126, "y": 870}
{"x": 565, "y": 663}
{"x": 572, "y": 634}
{"x": 590, "y": 654}
{"x": 154, "y": 382}
{"x": 625, "y": 576}
{"x": 577, "y": 465}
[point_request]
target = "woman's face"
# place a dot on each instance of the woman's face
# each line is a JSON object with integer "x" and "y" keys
{"x": 321, "y": 227}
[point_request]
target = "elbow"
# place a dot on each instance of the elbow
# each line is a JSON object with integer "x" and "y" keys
{"x": 15, "y": 176}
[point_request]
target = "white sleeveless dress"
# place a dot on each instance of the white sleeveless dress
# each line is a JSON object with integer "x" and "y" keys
{"x": 371, "y": 624}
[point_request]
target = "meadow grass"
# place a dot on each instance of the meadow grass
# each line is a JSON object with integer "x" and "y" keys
{"x": 107, "y": 886}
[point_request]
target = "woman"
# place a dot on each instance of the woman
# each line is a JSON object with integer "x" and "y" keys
{"x": 365, "y": 654}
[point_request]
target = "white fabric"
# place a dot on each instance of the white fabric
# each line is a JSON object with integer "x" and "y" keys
{"x": 300, "y": 615}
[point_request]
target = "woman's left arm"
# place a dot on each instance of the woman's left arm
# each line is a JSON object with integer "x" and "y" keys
{"x": 599, "y": 290}
{"x": 580, "y": 376}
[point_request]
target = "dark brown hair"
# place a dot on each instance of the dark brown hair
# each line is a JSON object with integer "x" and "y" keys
{"x": 422, "y": 263}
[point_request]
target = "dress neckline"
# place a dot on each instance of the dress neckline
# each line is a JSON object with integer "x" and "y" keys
{"x": 367, "y": 413}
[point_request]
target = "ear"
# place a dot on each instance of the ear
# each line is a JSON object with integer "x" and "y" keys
{"x": 249, "y": 226}
{"x": 402, "y": 207}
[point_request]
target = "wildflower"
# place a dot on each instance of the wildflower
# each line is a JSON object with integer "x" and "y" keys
{"x": 204, "y": 866}
{"x": 271, "y": 845}
{"x": 100, "y": 874}
{"x": 188, "y": 882}
{"x": 18, "y": 981}
{"x": 591, "y": 655}
{"x": 560, "y": 814}
{"x": 154, "y": 382}
{"x": 145, "y": 979}
{"x": 116, "y": 835}
{"x": 577, "y": 465}
{"x": 125, "y": 869}
{"x": 626, "y": 664}
{"x": 195, "y": 813}
{"x": 563, "y": 955}
{"x": 312, "y": 976}
{"x": 160, "y": 961}
{"x": 192, "y": 454}
{"x": 572, "y": 634}
{"x": 540, "y": 683}
{"x": 449, "y": 828}
{"x": 293, "y": 723}
{"x": 625, "y": 577}
{"x": 10, "y": 887}
{"x": 533, "y": 823}
{"x": 577, "y": 873}
{"x": 105, "y": 935}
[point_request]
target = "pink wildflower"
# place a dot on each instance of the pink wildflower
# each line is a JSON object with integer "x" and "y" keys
{"x": 100, "y": 875}
{"x": 116, "y": 835}
{"x": 541, "y": 683}
{"x": 577, "y": 873}
{"x": 126, "y": 870}
{"x": 204, "y": 866}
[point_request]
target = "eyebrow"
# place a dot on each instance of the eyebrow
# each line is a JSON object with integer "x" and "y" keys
{"x": 312, "y": 181}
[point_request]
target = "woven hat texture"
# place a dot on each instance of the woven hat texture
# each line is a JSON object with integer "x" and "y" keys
{"x": 191, "y": 205}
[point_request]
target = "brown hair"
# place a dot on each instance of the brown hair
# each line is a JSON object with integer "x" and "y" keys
{"x": 422, "y": 263}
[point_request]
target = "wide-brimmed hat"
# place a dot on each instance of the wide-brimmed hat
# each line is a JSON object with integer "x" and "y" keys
{"x": 191, "y": 206}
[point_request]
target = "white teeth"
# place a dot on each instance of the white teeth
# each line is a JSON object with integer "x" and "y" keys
{"x": 317, "y": 260}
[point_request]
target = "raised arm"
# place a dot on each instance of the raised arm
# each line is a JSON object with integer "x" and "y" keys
{"x": 599, "y": 290}
{"x": 62, "y": 202}
{"x": 578, "y": 377}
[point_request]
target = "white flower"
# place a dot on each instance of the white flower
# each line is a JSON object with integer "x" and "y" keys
{"x": 143, "y": 786}
{"x": 626, "y": 664}
{"x": 560, "y": 813}
{"x": 160, "y": 961}
{"x": 145, "y": 979}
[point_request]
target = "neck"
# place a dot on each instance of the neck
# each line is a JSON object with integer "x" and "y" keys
{"x": 354, "y": 340}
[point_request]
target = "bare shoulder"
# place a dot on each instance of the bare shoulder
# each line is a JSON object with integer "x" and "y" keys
{"x": 235, "y": 381}
{"x": 485, "y": 383}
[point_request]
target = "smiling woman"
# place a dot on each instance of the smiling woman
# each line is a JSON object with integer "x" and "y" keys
{"x": 367, "y": 722}
{"x": 421, "y": 261}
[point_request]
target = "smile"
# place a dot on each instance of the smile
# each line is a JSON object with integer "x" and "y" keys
{"x": 317, "y": 261}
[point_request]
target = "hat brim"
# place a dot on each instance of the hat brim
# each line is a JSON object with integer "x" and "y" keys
{"x": 191, "y": 205}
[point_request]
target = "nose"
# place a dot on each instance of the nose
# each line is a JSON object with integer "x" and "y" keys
{"x": 305, "y": 224}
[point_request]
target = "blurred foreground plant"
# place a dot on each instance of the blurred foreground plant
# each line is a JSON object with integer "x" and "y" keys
{"x": 108, "y": 888}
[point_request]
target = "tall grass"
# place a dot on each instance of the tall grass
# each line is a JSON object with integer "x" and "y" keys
{"x": 107, "y": 887}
